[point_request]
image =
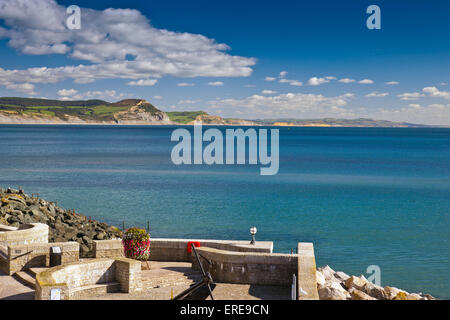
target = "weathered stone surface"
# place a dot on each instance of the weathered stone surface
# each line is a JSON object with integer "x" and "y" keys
{"x": 341, "y": 276}
{"x": 359, "y": 295}
{"x": 414, "y": 296}
{"x": 356, "y": 282}
{"x": 375, "y": 291}
{"x": 320, "y": 278}
{"x": 333, "y": 293}
{"x": 327, "y": 272}
{"x": 393, "y": 293}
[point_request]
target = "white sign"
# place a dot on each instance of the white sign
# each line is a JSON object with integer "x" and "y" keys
{"x": 55, "y": 294}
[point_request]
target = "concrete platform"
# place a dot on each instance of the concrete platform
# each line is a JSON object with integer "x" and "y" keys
{"x": 11, "y": 289}
{"x": 167, "y": 279}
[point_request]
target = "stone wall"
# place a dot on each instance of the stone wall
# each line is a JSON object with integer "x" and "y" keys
{"x": 306, "y": 278}
{"x": 78, "y": 279}
{"x": 108, "y": 248}
{"x": 27, "y": 256}
{"x": 25, "y": 234}
{"x": 176, "y": 249}
{"x": 249, "y": 267}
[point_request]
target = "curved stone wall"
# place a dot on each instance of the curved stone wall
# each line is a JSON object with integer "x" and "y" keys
{"x": 249, "y": 267}
{"x": 25, "y": 234}
{"x": 80, "y": 279}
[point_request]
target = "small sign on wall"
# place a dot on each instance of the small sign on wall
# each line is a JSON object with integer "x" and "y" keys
{"x": 55, "y": 294}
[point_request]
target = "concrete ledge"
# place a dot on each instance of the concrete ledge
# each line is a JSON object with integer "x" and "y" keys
{"x": 306, "y": 279}
{"x": 22, "y": 257}
{"x": 89, "y": 277}
{"x": 25, "y": 234}
{"x": 108, "y": 248}
{"x": 176, "y": 249}
{"x": 249, "y": 267}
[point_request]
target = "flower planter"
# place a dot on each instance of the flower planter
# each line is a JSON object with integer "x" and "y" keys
{"x": 136, "y": 244}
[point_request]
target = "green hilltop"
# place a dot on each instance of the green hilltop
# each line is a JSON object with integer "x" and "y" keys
{"x": 184, "y": 116}
{"x": 93, "y": 110}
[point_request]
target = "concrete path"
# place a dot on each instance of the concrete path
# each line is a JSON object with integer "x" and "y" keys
{"x": 11, "y": 289}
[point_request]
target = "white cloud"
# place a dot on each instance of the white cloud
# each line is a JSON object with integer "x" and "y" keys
{"x": 66, "y": 92}
{"x": 26, "y": 88}
{"x": 185, "y": 84}
{"x": 291, "y": 82}
{"x": 283, "y": 74}
{"x": 108, "y": 95}
{"x": 435, "y": 92}
{"x": 270, "y": 79}
{"x": 158, "y": 97}
{"x": 215, "y": 83}
{"x": 268, "y": 92}
{"x": 433, "y": 114}
{"x": 143, "y": 82}
{"x": 298, "y": 105}
{"x": 410, "y": 95}
{"x": 295, "y": 83}
{"x": 314, "y": 81}
{"x": 117, "y": 43}
{"x": 188, "y": 101}
{"x": 346, "y": 80}
{"x": 376, "y": 94}
{"x": 392, "y": 83}
{"x": 366, "y": 81}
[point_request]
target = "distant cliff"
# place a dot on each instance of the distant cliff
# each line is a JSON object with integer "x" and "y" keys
{"x": 45, "y": 111}
{"x": 141, "y": 112}
{"x": 332, "y": 122}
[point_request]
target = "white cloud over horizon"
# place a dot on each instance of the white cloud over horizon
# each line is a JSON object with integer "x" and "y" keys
{"x": 215, "y": 83}
{"x": 115, "y": 43}
{"x": 143, "y": 82}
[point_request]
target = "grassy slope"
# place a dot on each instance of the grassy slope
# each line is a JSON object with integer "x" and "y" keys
{"x": 95, "y": 110}
{"x": 185, "y": 116}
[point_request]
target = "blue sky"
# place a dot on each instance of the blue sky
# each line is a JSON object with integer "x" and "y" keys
{"x": 247, "y": 59}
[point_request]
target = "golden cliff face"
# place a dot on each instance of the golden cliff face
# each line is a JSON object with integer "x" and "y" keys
{"x": 217, "y": 120}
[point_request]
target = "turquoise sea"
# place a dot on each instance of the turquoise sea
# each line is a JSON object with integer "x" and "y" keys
{"x": 363, "y": 196}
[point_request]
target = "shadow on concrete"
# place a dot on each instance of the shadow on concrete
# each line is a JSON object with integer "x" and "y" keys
{"x": 20, "y": 296}
{"x": 270, "y": 292}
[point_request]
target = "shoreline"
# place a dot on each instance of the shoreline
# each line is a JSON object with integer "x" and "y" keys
{"x": 217, "y": 125}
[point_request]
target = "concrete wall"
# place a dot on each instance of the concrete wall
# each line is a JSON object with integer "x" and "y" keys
{"x": 77, "y": 279}
{"x": 25, "y": 234}
{"x": 108, "y": 248}
{"x": 27, "y": 256}
{"x": 249, "y": 267}
{"x": 176, "y": 249}
{"x": 306, "y": 278}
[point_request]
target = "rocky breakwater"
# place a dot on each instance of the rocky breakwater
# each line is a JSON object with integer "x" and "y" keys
{"x": 17, "y": 208}
{"x": 334, "y": 285}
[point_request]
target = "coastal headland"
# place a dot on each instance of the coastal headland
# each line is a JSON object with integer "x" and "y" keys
{"x": 16, "y": 110}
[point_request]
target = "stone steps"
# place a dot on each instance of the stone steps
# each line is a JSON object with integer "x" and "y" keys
{"x": 159, "y": 280}
{"x": 28, "y": 277}
{"x": 25, "y": 278}
{"x": 35, "y": 271}
{"x": 95, "y": 290}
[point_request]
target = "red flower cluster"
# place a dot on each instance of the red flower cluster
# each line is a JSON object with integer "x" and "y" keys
{"x": 136, "y": 244}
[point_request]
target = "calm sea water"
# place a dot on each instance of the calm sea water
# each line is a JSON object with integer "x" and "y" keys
{"x": 363, "y": 196}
